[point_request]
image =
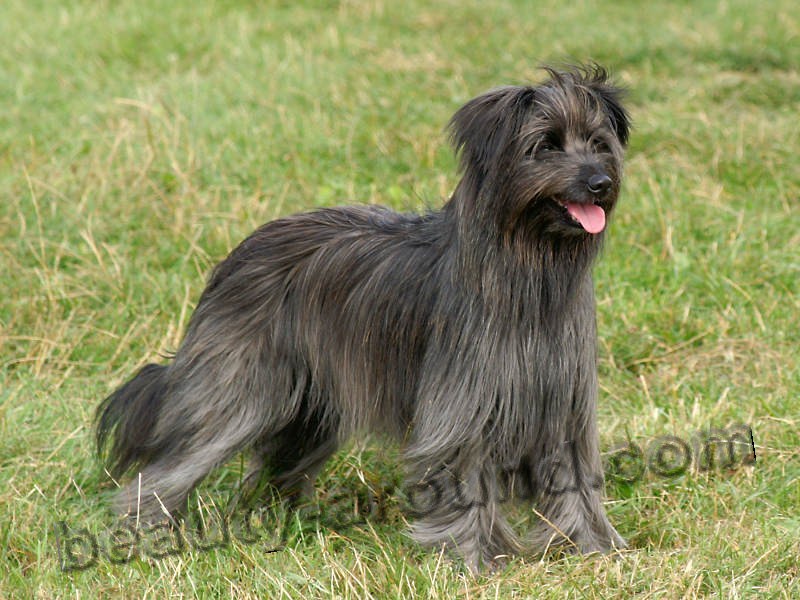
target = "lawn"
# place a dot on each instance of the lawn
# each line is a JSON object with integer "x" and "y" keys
{"x": 140, "y": 141}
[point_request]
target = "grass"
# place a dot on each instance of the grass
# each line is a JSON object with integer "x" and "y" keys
{"x": 139, "y": 141}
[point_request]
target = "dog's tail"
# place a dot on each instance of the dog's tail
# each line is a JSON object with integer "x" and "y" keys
{"x": 126, "y": 419}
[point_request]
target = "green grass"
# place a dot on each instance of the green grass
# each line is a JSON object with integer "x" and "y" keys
{"x": 139, "y": 141}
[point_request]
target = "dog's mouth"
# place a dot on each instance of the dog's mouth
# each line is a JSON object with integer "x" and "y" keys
{"x": 590, "y": 217}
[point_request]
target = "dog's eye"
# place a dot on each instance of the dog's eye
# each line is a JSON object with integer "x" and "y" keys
{"x": 601, "y": 146}
{"x": 532, "y": 150}
{"x": 544, "y": 147}
{"x": 543, "y": 144}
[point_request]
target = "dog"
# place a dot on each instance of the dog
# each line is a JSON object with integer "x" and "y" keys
{"x": 468, "y": 333}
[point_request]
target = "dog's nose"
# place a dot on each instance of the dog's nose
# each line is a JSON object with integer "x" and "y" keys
{"x": 599, "y": 184}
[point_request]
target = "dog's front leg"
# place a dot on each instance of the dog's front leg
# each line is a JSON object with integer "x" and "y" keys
{"x": 568, "y": 502}
{"x": 456, "y": 507}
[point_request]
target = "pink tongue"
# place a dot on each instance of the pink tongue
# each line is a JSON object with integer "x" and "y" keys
{"x": 590, "y": 216}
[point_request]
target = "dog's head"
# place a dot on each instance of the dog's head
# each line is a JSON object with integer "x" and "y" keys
{"x": 544, "y": 160}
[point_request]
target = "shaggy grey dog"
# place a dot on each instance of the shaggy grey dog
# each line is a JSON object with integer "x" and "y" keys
{"x": 467, "y": 333}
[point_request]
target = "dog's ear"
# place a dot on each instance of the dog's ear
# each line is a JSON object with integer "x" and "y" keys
{"x": 598, "y": 80}
{"x": 612, "y": 100}
{"x": 485, "y": 126}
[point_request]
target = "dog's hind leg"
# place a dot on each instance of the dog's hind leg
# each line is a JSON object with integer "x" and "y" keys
{"x": 290, "y": 459}
{"x": 186, "y": 446}
{"x": 160, "y": 489}
{"x": 198, "y": 415}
